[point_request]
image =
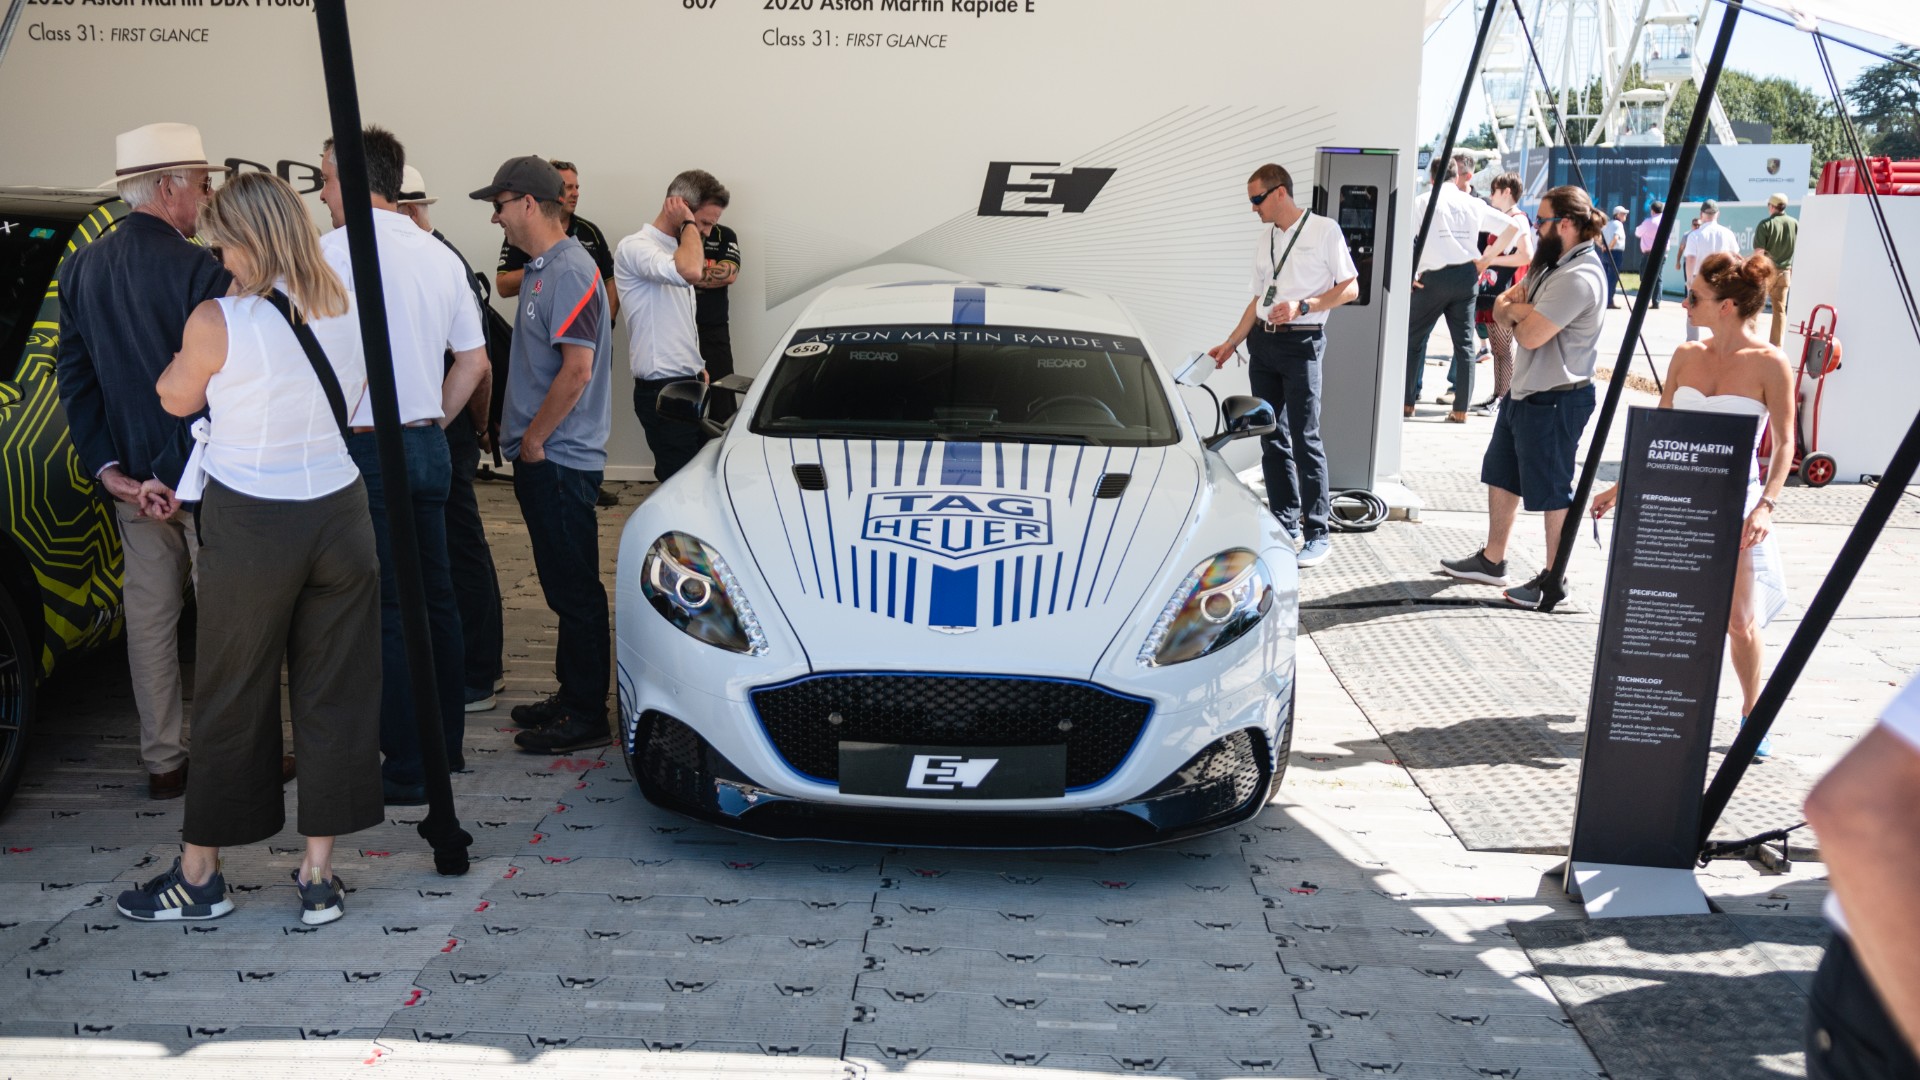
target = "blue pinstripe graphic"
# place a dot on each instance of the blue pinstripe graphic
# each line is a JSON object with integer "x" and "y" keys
{"x": 1127, "y": 551}
{"x": 846, "y": 446}
{"x": 956, "y": 597}
{"x": 926, "y": 458}
{"x": 1053, "y": 601}
{"x": 1073, "y": 485}
{"x": 999, "y": 588}
{"x": 969, "y": 307}
{"x": 873, "y": 463}
{"x": 833, "y": 542}
{"x": 873, "y": 581}
{"x": 1026, "y": 451}
{"x": 913, "y": 572}
{"x": 1033, "y": 612}
{"x": 853, "y": 563}
{"x": 1112, "y": 524}
{"x": 1052, "y": 452}
{"x": 893, "y": 582}
{"x": 899, "y": 462}
{"x": 960, "y": 464}
{"x": 1000, "y": 465}
{"x": 766, "y": 457}
{"x": 1019, "y": 565}
{"x": 813, "y": 546}
{"x": 1085, "y": 535}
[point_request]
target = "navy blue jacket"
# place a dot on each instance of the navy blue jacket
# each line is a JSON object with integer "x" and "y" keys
{"x": 124, "y": 302}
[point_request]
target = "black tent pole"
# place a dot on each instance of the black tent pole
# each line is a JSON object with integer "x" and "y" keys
{"x": 1453, "y": 129}
{"x": 1553, "y": 586}
{"x": 441, "y": 828}
{"x": 1853, "y": 554}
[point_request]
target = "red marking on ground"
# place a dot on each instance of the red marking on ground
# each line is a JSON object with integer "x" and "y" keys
{"x": 512, "y": 872}
{"x": 484, "y": 905}
{"x": 1116, "y": 884}
{"x": 18, "y": 850}
{"x": 561, "y": 808}
{"x": 376, "y": 854}
{"x": 576, "y": 765}
{"x": 537, "y": 837}
{"x": 413, "y": 999}
{"x": 1303, "y": 892}
{"x": 452, "y": 944}
{"x": 552, "y": 859}
{"x": 1490, "y": 899}
{"x": 375, "y": 1059}
{"x": 581, "y": 786}
{"x": 741, "y": 865}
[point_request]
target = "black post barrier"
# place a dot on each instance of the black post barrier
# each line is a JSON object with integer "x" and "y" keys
{"x": 1453, "y": 129}
{"x": 1853, "y": 554}
{"x": 1553, "y": 587}
{"x": 442, "y": 826}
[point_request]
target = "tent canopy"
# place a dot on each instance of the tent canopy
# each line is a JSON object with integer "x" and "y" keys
{"x": 1898, "y": 20}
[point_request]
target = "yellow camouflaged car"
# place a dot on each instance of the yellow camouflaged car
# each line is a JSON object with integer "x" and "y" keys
{"x": 60, "y": 553}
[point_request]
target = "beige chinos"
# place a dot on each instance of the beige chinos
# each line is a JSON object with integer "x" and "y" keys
{"x": 159, "y": 557}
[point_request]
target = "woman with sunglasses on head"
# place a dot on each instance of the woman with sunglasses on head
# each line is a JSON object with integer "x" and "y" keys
{"x": 287, "y": 563}
{"x": 1738, "y": 371}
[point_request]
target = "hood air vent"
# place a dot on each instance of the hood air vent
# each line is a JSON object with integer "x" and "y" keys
{"x": 1112, "y": 486}
{"x": 811, "y": 477}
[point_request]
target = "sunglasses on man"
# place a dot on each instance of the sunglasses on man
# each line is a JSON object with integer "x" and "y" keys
{"x": 1262, "y": 197}
{"x": 501, "y": 207}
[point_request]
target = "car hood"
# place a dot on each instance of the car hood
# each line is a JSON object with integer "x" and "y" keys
{"x": 959, "y": 556}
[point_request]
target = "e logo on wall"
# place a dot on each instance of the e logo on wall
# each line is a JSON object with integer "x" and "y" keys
{"x": 1028, "y": 189}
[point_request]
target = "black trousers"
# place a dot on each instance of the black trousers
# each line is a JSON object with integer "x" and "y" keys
{"x": 672, "y": 442}
{"x": 476, "y": 582}
{"x": 1284, "y": 368}
{"x": 716, "y": 350}
{"x": 1446, "y": 292}
{"x": 1849, "y": 1034}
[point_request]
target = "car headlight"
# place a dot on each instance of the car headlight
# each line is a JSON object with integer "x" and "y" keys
{"x": 1215, "y": 606}
{"x": 691, "y": 586}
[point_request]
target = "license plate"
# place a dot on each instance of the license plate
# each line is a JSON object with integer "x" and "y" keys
{"x": 953, "y": 772}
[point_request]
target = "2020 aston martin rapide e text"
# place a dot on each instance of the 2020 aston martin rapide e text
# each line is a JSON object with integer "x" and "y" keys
{"x": 964, "y": 570}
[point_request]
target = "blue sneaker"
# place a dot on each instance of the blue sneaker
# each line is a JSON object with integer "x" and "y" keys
{"x": 321, "y": 902}
{"x": 1765, "y": 749}
{"x": 1314, "y": 552}
{"x": 171, "y": 898}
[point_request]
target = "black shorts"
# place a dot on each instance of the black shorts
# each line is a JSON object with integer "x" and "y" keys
{"x": 1533, "y": 445}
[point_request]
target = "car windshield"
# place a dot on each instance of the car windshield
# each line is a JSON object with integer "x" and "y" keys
{"x": 966, "y": 383}
{"x": 30, "y": 250}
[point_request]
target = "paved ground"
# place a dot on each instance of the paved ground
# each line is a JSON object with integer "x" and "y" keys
{"x": 1377, "y": 919}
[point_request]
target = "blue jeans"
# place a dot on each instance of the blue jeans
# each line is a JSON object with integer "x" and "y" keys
{"x": 428, "y": 477}
{"x": 558, "y": 505}
{"x": 1445, "y": 292}
{"x": 476, "y": 583}
{"x": 1284, "y": 368}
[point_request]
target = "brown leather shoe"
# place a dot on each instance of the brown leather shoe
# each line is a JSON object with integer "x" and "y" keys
{"x": 167, "y": 785}
{"x": 1406, "y": 410}
{"x": 1456, "y": 418}
{"x": 286, "y": 768}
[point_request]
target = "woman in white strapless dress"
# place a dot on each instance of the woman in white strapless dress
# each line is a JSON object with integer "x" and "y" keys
{"x": 1738, "y": 371}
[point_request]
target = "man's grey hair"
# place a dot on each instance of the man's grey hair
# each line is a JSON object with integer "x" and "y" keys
{"x": 699, "y": 188}
{"x": 138, "y": 191}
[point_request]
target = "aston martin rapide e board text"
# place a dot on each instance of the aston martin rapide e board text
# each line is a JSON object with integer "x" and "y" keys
{"x": 964, "y": 570}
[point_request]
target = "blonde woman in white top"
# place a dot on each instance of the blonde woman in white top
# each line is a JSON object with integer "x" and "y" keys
{"x": 288, "y": 568}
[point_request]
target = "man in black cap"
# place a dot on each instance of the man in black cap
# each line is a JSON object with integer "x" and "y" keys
{"x": 554, "y": 429}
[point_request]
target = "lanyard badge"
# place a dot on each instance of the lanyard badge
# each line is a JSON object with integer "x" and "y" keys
{"x": 1273, "y": 288}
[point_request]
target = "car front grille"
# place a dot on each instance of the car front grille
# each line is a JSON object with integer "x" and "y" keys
{"x": 808, "y": 719}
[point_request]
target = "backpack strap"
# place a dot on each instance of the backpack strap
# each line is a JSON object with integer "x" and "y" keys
{"x": 322, "y": 369}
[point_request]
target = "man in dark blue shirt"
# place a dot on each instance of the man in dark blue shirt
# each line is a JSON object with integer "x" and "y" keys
{"x": 124, "y": 300}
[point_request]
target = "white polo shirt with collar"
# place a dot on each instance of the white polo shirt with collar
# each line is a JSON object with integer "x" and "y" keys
{"x": 1457, "y": 224}
{"x": 662, "y": 340}
{"x": 1319, "y": 260}
{"x": 430, "y": 309}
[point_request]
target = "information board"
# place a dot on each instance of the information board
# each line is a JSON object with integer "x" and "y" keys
{"x": 1676, "y": 548}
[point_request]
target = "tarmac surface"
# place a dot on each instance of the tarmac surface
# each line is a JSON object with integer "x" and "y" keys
{"x": 1396, "y": 910}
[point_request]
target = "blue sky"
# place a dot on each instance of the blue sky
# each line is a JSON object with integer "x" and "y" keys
{"x": 1760, "y": 46}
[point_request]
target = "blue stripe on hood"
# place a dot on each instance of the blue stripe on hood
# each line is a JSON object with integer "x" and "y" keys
{"x": 969, "y": 307}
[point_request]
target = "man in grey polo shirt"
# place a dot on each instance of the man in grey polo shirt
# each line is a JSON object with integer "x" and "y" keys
{"x": 554, "y": 428}
{"x": 1556, "y": 315}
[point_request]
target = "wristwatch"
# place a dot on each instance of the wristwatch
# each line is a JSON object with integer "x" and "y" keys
{"x": 1306, "y": 305}
{"x": 1766, "y": 502}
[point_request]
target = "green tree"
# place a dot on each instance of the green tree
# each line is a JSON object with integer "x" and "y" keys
{"x": 1796, "y": 113}
{"x": 1481, "y": 139}
{"x": 1886, "y": 105}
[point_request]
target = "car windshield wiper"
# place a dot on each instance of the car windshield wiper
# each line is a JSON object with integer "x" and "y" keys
{"x": 1040, "y": 437}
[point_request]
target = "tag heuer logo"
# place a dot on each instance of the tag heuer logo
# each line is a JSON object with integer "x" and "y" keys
{"x": 956, "y": 525}
{"x": 935, "y": 772}
{"x": 1039, "y": 189}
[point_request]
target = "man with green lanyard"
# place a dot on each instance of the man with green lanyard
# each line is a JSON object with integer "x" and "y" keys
{"x": 1301, "y": 270}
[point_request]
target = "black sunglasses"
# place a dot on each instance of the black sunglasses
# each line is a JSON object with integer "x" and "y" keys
{"x": 1550, "y": 220}
{"x": 1262, "y": 197}
{"x": 501, "y": 207}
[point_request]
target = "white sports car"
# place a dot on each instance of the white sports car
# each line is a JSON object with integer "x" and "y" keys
{"x": 964, "y": 570}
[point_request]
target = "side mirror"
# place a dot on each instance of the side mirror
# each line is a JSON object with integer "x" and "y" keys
{"x": 1247, "y": 418}
{"x": 1194, "y": 370}
{"x": 685, "y": 402}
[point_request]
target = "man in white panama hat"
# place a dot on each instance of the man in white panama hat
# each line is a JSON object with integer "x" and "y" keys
{"x": 125, "y": 299}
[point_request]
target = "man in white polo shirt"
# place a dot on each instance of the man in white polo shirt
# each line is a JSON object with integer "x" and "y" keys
{"x": 1710, "y": 238}
{"x": 1301, "y": 270}
{"x": 1448, "y": 274}
{"x": 1864, "y": 1017}
{"x": 430, "y": 310}
{"x": 655, "y": 271}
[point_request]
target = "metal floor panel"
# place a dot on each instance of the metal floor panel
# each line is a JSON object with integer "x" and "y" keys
{"x": 703, "y": 875}
{"x": 1691, "y": 996}
{"x": 256, "y": 996}
{"x": 1135, "y": 937}
{"x": 1139, "y": 1028}
{"x": 1034, "y": 976}
{"x": 687, "y": 957}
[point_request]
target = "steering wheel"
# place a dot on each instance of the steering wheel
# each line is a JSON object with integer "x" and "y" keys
{"x": 1092, "y": 409}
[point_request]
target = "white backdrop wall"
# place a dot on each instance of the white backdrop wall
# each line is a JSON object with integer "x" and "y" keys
{"x": 857, "y": 144}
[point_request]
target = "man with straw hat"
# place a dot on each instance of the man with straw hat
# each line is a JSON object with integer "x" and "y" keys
{"x": 125, "y": 299}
